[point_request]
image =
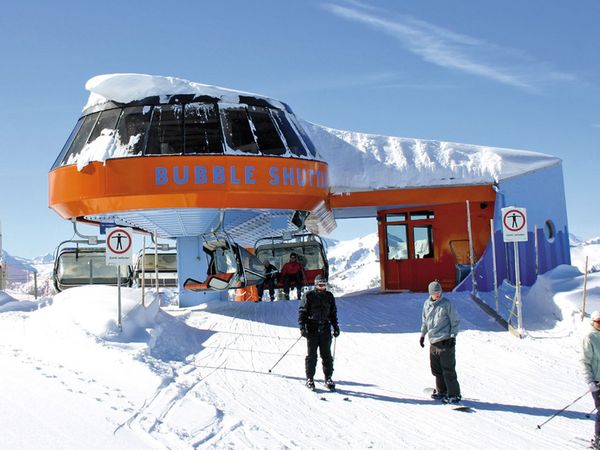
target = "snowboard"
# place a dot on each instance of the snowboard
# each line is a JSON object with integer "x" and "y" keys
{"x": 455, "y": 407}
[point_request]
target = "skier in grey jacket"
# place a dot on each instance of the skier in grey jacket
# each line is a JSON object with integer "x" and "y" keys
{"x": 590, "y": 365}
{"x": 440, "y": 323}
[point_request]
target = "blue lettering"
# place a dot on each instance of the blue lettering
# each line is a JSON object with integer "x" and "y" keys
{"x": 288, "y": 177}
{"x": 301, "y": 177}
{"x": 200, "y": 175}
{"x": 310, "y": 175}
{"x": 177, "y": 178}
{"x": 160, "y": 176}
{"x": 249, "y": 175}
{"x": 274, "y": 174}
{"x": 234, "y": 179}
{"x": 218, "y": 175}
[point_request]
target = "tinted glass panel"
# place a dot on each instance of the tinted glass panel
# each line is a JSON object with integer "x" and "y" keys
{"x": 106, "y": 121}
{"x": 267, "y": 136}
{"x": 309, "y": 256}
{"x": 65, "y": 148}
{"x": 421, "y": 215}
{"x": 76, "y": 268}
{"x": 166, "y": 131}
{"x": 236, "y": 127}
{"x": 397, "y": 247}
{"x": 82, "y": 136}
{"x": 132, "y": 130}
{"x": 166, "y": 262}
{"x": 423, "y": 242}
{"x": 307, "y": 142}
{"x": 396, "y": 217}
{"x": 253, "y": 268}
{"x": 202, "y": 129}
{"x": 289, "y": 133}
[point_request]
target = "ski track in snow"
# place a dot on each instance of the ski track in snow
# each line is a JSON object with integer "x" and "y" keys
{"x": 221, "y": 395}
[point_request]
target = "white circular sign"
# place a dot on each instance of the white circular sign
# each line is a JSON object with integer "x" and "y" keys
{"x": 118, "y": 241}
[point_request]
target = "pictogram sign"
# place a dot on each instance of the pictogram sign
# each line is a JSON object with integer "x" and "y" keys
{"x": 119, "y": 244}
{"x": 514, "y": 224}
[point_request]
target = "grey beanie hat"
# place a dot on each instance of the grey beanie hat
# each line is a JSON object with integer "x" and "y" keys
{"x": 435, "y": 286}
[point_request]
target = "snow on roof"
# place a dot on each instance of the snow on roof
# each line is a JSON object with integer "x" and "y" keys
{"x": 357, "y": 161}
{"x": 360, "y": 161}
{"x": 129, "y": 87}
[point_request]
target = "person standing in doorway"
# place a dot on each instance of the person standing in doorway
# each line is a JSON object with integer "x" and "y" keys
{"x": 590, "y": 365}
{"x": 317, "y": 315}
{"x": 292, "y": 272}
{"x": 440, "y": 323}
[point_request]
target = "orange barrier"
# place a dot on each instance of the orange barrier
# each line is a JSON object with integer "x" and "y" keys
{"x": 247, "y": 294}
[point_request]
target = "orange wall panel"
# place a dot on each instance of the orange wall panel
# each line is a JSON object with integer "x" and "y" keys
{"x": 211, "y": 181}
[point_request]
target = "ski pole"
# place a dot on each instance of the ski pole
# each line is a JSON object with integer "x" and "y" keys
{"x": 286, "y": 352}
{"x": 334, "y": 342}
{"x": 558, "y": 412}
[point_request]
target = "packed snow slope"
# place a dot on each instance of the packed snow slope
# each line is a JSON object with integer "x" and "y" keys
{"x": 199, "y": 378}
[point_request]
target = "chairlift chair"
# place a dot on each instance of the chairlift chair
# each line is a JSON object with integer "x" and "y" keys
{"x": 84, "y": 265}
{"x": 166, "y": 265}
{"x": 308, "y": 247}
{"x": 230, "y": 266}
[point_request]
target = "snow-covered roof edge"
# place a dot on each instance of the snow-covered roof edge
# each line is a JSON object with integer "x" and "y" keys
{"x": 361, "y": 161}
{"x": 129, "y": 87}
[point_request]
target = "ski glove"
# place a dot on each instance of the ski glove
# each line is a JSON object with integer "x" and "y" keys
{"x": 303, "y": 332}
{"x": 422, "y": 341}
{"x": 336, "y": 331}
{"x": 594, "y": 386}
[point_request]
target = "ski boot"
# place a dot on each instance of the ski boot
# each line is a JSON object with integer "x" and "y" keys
{"x": 453, "y": 400}
{"x": 329, "y": 384}
{"x": 310, "y": 384}
{"x": 438, "y": 395}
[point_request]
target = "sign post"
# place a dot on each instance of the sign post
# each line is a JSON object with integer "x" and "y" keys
{"x": 119, "y": 244}
{"x": 514, "y": 229}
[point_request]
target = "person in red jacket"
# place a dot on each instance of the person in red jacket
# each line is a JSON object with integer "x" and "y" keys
{"x": 292, "y": 272}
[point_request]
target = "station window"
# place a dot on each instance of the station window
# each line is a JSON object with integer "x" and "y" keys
{"x": 408, "y": 235}
{"x": 106, "y": 123}
{"x": 267, "y": 136}
{"x": 307, "y": 141}
{"x": 289, "y": 133}
{"x": 132, "y": 130}
{"x": 397, "y": 243}
{"x": 80, "y": 140}
{"x": 421, "y": 215}
{"x": 396, "y": 217}
{"x": 549, "y": 230}
{"x": 193, "y": 128}
{"x": 202, "y": 129}
{"x": 65, "y": 149}
{"x": 237, "y": 131}
{"x": 166, "y": 131}
{"x": 423, "y": 241}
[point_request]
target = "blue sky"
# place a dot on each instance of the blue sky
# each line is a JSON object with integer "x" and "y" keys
{"x": 507, "y": 74}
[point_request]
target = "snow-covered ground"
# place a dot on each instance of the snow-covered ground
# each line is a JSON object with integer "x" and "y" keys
{"x": 199, "y": 377}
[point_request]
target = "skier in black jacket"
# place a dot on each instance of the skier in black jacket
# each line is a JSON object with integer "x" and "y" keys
{"x": 317, "y": 315}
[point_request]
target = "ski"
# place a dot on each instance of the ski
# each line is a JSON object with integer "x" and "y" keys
{"x": 327, "y": 389}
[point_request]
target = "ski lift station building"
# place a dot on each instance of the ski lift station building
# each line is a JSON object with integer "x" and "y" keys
{"x": 182, "y": 159}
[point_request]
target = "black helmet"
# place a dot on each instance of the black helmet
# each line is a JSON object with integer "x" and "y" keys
{"x": 320, "y": 279}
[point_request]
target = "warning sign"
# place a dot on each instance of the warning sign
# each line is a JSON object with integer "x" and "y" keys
{"x": 119, "y": 244}
{"x": 514, "y": 224}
